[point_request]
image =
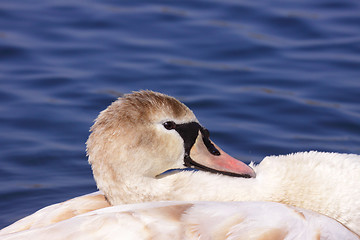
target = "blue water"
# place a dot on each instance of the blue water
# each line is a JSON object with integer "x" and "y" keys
{"x": 266, "y": 77}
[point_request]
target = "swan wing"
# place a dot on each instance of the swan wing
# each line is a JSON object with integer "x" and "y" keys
{"x": 192, "y": 220}
{"x": 58, "y": 212}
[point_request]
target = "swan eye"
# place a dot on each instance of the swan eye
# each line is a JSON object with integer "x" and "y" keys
{"x": 169, "y": 125}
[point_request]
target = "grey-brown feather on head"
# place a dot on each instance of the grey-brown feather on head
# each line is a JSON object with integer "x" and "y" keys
{"x": 136, "y": 110}
{"x": 147, "y": 104}
{"x": 128, "y": 129}
{"x": 141, "y": 108}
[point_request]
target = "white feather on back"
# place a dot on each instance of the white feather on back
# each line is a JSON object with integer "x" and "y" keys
{"x": 192, "y": 220}
{"x": 58, "y": 212}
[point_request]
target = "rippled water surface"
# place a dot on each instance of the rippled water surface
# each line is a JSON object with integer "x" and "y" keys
{"x": 266, "y": 77}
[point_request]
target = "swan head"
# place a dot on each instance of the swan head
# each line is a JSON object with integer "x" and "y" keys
{"x": 148, "y": 136}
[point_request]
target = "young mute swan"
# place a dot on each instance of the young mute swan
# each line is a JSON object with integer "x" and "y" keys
{"x": 148, "y": 147}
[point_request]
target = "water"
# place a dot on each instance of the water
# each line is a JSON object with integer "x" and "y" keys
{"x": 265, "y": 77}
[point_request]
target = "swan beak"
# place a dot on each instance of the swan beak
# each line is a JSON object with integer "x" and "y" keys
{"x": 217, "y": 161}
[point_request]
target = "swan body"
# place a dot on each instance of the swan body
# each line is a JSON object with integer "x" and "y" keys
{"x": 193, "y": 220}
{"x": 148, "y": 147}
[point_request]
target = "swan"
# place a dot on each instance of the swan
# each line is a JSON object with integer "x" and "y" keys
{"x": 149, "y": 147}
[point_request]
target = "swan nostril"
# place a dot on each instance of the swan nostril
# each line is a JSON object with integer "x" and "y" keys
{"x": 210, "y": 146}
{"x": 215, "y": 152}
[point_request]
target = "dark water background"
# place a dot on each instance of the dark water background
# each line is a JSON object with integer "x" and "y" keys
{"x": 266, "y": 77}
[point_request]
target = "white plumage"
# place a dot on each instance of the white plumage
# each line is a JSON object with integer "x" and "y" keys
{"x": 193, "y": 220}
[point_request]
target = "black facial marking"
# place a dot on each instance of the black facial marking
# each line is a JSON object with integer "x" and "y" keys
{"x": 212, "y": 149}
{"x": 205, "y": 132}
{"x": 189, "y": 133}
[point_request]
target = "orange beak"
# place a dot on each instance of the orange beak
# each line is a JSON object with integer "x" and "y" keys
{"x": 223, "y": 163}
